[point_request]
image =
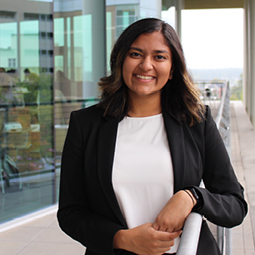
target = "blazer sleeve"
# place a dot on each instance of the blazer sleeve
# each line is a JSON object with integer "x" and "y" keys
{"x": 223, "y": 200}
{"x": 74, "y": 214}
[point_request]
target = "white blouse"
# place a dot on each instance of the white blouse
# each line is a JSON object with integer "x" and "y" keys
{"x": 142, "y": 170}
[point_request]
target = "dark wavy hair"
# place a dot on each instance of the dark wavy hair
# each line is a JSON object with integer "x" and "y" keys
{"x": 180, "y": 97}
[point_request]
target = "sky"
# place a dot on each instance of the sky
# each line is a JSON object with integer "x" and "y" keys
{"x": 211, "y": 38}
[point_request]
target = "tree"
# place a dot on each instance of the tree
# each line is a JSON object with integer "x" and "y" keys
{"x": 237, "y": 90}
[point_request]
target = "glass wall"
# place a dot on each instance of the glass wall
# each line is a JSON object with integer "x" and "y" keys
{"x": 27, "y": 172}
{"x": 52, "y": 55}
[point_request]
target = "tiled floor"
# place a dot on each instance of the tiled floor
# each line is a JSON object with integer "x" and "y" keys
{"x": 39, "y": 237}
{"x": 242, "y": 236}
{"x": 243, "y": 159}
{"x": 42, "y": 236}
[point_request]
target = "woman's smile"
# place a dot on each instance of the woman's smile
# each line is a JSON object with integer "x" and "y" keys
{"x": 144, "y": 77}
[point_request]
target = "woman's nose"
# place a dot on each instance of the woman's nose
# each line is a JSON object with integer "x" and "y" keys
{"x": 146, "y": 64}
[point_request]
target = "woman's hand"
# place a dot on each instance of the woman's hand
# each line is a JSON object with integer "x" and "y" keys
{"x": 144, "y": 240}
{"x": 173, "y": 215}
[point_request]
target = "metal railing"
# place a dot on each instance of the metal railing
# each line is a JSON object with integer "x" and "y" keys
{"x": 224, "y": 235}
{"x": 192, "y": 227}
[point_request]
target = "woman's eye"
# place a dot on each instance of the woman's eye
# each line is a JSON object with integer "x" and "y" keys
{"x": 160, "y": 57}
{"x": 135, "y": 54}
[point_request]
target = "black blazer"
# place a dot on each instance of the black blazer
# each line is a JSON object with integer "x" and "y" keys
{"x": 88, "y": 209}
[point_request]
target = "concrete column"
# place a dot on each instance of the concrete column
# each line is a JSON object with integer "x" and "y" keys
{"x": 179, "y": 6}
{"x": 249, "y": 59}
{"x": 246, "y": 70}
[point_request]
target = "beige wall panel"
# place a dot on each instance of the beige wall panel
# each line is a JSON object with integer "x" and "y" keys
{"x": 213, "y": 4}
{"x": 25, "y": 6}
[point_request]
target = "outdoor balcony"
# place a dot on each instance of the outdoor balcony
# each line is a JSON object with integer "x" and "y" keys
{"x": 39, "y": 233}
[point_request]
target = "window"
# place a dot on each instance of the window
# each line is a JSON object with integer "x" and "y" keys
{"x": 43, "y": 35}
{"x": 31, "y": 16}
{"x": 12, "y": 62}
{"x": 49, "y": 17}
{"x": 50, "y": 35}
{"x": 7, "y": 15}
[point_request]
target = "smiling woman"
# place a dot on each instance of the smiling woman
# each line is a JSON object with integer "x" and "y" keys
{"x": 132, "y": 165}
{"x": 158, "y": 45}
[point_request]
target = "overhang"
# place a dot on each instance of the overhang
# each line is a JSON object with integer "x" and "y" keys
{"x": 213, "y": 4}
{"x": 204, "y": 4}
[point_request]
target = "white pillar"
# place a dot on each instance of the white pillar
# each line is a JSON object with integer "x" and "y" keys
{"x": 249, "y": 59}
{"x": 179, "y": 6}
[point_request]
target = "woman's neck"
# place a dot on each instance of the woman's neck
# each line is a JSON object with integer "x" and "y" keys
{"x": 144, "y": 107}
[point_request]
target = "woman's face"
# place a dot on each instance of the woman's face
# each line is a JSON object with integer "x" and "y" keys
{"x": 147, "y": 66}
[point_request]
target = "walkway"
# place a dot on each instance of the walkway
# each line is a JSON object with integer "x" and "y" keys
{"x": 42, "y": 236}
{"x": 243, "y": 159}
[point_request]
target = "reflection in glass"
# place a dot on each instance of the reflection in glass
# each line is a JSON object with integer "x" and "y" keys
{"x": 82, "y": 55}
{"x": 27, "y": 172}
{"x": 29, "y": 44}
{"x": 8, "y": 45}
{"x": 79, "y": 57}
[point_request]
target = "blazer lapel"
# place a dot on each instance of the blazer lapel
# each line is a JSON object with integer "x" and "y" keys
{"x": 106, "y": 146}
{"x": 174, "y": 130}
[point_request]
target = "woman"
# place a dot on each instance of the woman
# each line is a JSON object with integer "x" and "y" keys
{"x": 132, "y": 165}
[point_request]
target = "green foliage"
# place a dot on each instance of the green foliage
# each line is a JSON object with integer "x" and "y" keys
{"x": 237, "y": 91}
{"x": 39, "y": 100}
{"x": 35, "y": 84}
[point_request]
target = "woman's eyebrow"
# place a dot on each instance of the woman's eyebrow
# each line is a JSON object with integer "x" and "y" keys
{"x": 162, "y": 51}
{"x": 135, "y": 48}
{"x": 156, "y": 51}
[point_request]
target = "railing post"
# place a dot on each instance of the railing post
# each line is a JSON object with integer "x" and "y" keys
{"x": 228, "y": 241}
{"x": 221, "y": 238}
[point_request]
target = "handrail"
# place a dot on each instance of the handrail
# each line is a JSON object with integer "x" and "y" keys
{"x": 224, "y": 235}
{"x": 190, "y": 235}
{"x": 191, "y": 232}
{"x": 220, "y": 110}
{"x": 192, "y": 227}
